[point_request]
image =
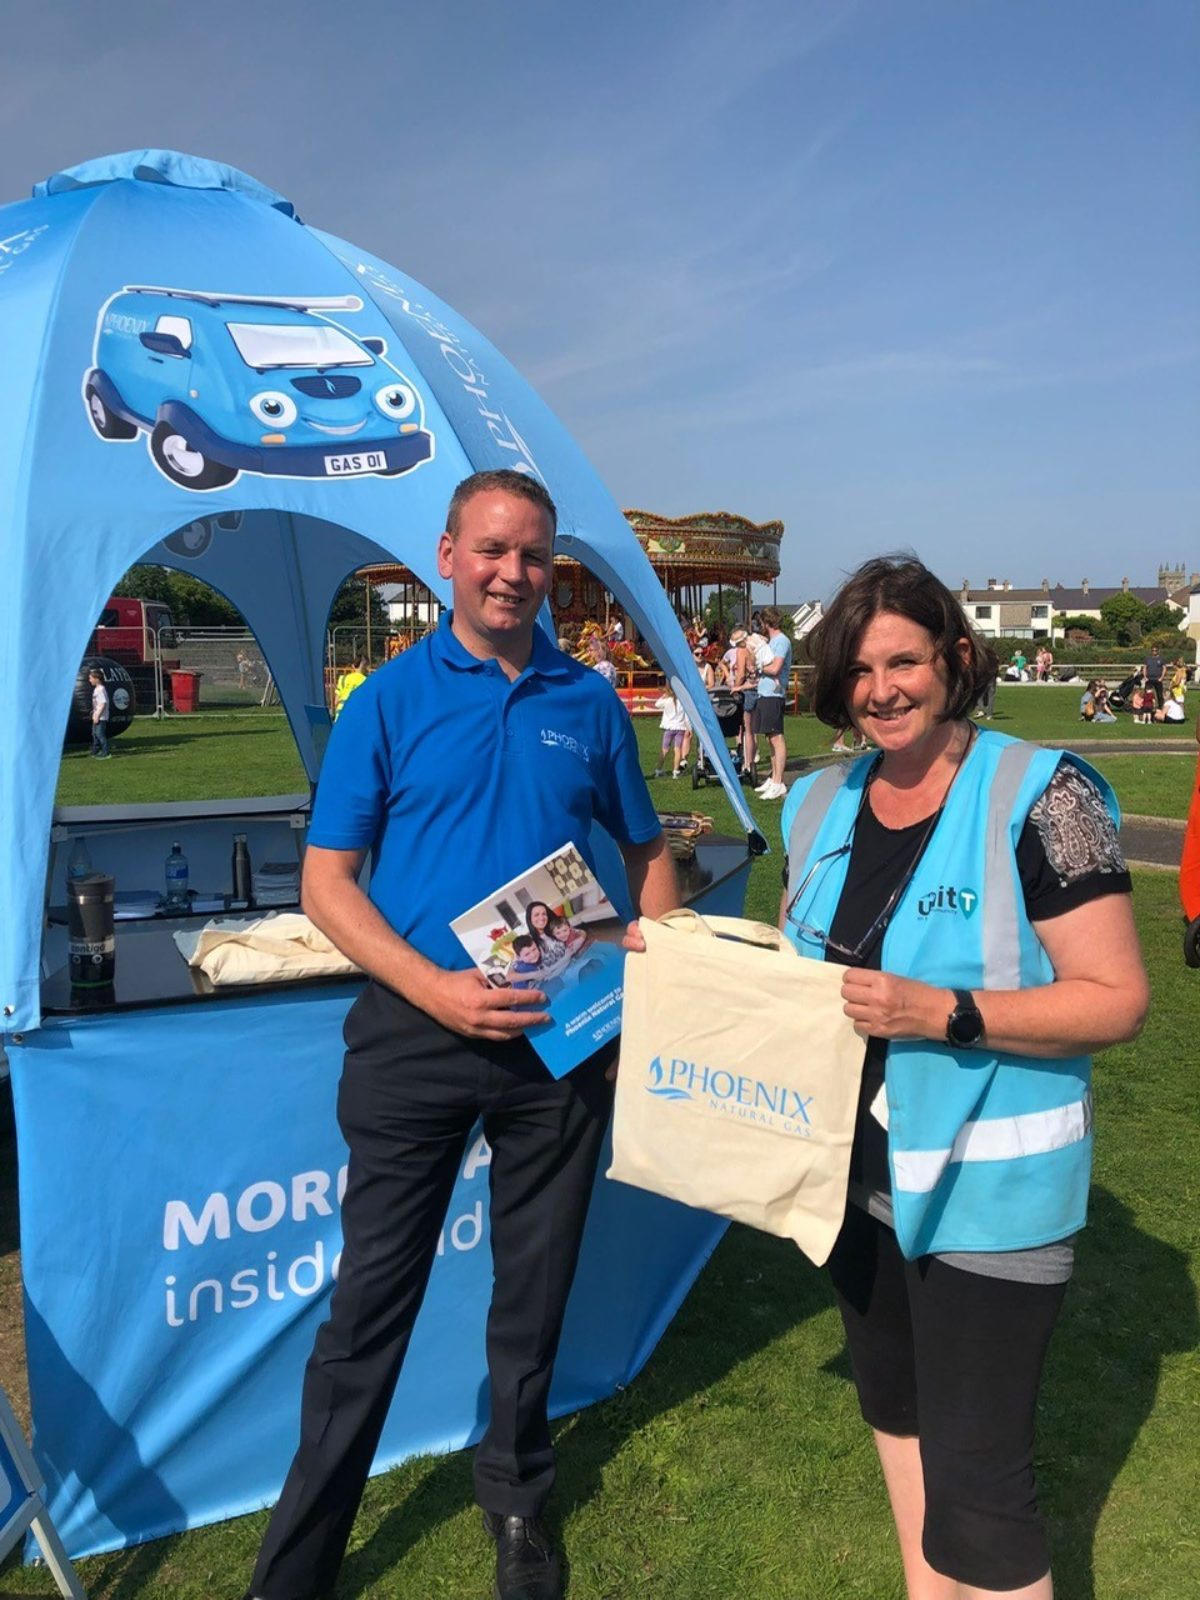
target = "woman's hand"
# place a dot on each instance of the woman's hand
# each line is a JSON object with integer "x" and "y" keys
{"x": 633, "y": 940}
{"x": 883, "y": 1006}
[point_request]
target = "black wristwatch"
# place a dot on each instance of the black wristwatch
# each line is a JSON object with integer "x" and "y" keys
{"x": 964, "y": 1025}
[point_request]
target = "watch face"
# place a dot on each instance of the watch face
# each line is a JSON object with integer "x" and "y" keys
{"x": 965, "y": 1027}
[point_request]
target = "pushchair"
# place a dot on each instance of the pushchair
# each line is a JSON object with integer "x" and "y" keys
{"x": 727, "y": 708}
{"x": 1118, "y": 699}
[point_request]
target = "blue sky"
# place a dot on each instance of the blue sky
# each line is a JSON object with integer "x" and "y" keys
{"x": 902, "y": 272}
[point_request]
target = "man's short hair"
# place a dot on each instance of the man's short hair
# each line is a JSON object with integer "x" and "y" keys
{"x": 518, "y": 483}
{"x": 770, "y": 617}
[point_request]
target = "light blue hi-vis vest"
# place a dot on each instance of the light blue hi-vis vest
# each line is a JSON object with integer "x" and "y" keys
{"x": 988, "y": 1151}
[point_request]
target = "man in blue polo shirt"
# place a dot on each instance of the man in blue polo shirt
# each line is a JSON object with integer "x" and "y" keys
{"x": 458, "y": 765}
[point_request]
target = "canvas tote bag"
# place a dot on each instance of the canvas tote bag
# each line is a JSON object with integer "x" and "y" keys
{"x": 739, "y": 1077}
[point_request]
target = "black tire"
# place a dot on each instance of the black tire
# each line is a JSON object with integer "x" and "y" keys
{"x": 1191, "y": 943}
{"x": 697, "y": 776}
{"x": 190, "y": 469}
{"x": 106, "y": 424}
{"x": 122, "y": 700}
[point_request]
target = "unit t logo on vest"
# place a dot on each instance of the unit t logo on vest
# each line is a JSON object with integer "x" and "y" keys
{"x": 731, "y": 1094}
{"x": 947, "y": 897}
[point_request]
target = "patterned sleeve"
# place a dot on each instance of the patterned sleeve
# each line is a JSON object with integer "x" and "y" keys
{"x": 1068, "y": 853}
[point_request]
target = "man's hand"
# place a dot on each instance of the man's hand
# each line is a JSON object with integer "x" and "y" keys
{"x": 633, "y": 939}
{"x": 466, "y": 1003}
{"x": 883, "y": 1006}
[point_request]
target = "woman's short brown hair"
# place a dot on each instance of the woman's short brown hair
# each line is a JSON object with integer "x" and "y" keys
{"x": 904, "y": 586}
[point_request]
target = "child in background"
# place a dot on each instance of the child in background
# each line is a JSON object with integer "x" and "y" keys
{"x": 675, "y": 726}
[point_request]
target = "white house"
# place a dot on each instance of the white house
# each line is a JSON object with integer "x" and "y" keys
{"x": 1029, "y": 613}
{"x": 805, "y": 616}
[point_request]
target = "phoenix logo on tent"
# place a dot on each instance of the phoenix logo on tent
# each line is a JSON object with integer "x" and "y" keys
{"x": 666, "y": 1091}
{"x": 228, "y": 383}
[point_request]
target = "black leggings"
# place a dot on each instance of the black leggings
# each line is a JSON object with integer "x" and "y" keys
{"x": 954, "y": 1359}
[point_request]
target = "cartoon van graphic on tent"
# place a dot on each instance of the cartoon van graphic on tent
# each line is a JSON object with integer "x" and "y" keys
{"x": 227, "y": 383}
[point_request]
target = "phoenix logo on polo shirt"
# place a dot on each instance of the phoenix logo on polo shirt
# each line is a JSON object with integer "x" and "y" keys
{"x": 566, "y": 741}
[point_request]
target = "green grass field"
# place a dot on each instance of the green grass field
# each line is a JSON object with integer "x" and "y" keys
{"x": 736, "y": 1465}
{"x": 252, "y": 753}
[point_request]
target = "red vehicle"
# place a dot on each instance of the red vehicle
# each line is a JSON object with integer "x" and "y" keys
{"x": 123, "y": 646}
{"x": 129, "y": 631}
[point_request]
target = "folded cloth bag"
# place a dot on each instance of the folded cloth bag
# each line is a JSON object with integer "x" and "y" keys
{"x": 270, "y": 949}
{"x": 739, "y": 1078}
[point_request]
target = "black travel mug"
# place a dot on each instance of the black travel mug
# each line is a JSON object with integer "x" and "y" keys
{"x": 91, "y": 944}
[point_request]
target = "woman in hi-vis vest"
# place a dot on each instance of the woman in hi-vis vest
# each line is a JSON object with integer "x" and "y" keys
{"x": 974, "y": 889}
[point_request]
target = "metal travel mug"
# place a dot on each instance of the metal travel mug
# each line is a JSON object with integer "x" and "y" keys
{"x": 91, "y": 944}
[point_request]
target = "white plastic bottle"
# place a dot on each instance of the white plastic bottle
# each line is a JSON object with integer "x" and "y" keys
{"x": 79, "y": 862}
{"x": 177, "y": 880}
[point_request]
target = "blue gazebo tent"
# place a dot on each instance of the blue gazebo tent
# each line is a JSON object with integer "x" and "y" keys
{"x": 180, "y": 347}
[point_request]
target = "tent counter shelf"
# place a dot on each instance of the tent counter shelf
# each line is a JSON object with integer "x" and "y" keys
{"x": 150, "y": 971}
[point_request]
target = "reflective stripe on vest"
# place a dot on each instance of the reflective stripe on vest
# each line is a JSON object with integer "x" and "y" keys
{"x": 1001, "y": 911}
{"x": 1034, "y": 1133}
{"x": 807, "y": 822}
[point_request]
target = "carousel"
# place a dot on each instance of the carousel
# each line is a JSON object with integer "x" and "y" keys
{"x": 691, "y": 555}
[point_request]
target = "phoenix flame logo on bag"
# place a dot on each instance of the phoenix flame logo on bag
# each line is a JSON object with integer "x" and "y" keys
{"x": 666, "y": 1091}
{"x": 732, "y": 1093}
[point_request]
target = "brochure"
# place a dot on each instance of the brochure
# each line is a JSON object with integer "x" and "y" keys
{"x": 542, "y": 931}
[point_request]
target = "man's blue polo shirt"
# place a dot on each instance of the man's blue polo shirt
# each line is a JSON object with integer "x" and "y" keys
{"x": 459, "y": 780}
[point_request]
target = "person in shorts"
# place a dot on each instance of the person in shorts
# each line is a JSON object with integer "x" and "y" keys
{"x": 775, "y": 671}
{"x": 675, "y": 729}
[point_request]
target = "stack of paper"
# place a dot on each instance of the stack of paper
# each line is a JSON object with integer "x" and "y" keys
{"x": 277, "y": 883}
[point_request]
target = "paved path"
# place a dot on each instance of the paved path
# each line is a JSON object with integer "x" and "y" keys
{"x": 1152, "y": 841}
{"x": 1125, "y": 747}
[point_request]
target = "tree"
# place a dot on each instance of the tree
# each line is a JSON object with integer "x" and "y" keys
{"x": 1092, "y": 626}
{"x": 192, "y": 604}
{"x": 723, "y": 610}
{"x": 1125, "y": 616}
{"x": 1161, "y": 618}
{"x": 348, "y": 615}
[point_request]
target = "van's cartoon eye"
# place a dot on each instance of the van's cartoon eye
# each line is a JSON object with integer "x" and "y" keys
{"x": 275, "y": 409}
{"x": 396, "y": 400}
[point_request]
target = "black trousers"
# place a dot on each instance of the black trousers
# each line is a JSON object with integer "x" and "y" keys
{"x": 954, "y": 1359}
{"x": 410, "y": 1094}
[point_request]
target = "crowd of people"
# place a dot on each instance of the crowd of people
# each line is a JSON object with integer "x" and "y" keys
{"x": 755, "y": 665}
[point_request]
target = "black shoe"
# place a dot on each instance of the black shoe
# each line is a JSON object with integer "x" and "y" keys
{"x": 527, "y": 1564}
